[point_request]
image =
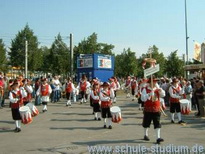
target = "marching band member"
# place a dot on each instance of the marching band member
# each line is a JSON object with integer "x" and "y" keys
{"x": 94, "y": 81}
{"x": 114, "y": 87}
{"x": 142, "y": 85}
{"x": 44, "y": 90}
{"x": 96, "y": 101}
{"x": 83, "y": 85}
{"x": 69, "y": 89}
{"x": 134, "y": 87}
{"x": 176, "y": 93}
{"x": 106, "y": 95}
{"x": 16, "y": 98}
{"x": 151, "y": 97}
{"x": 128, "y": 86}
{"x": 117, "y": 86}
{"x": 29, "y": 89}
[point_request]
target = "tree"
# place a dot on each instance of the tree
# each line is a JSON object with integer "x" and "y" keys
{"x": 3, "y": 59}
{"x": 174, "y": 66}
{"x": 58, "y": 58}
{"x": 44, "y": 52}
{"x": 156, "y": 55}
{"x": 17, "y": 54}
{"x": 126, "y": 63}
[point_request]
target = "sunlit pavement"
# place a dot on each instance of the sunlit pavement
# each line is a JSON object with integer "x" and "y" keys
{"x": 72, "y": 129}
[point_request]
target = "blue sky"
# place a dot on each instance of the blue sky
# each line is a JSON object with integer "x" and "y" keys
{"x": 137, "y": 24}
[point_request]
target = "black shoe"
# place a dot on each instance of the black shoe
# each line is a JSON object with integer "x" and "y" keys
{"x": 95, "y": 118}
{"x": 159, "y": 140}
{"x": 181, "y": 122}
{"x": 110, "y": 127}
{"x": 19, "y": 129}
{"x": 99, "y": 119}
{"x": 197, "y": 115}
{"x": 132, "y": 99}
{"x": 44, "y": 110}
{"x": 15, "y": 129}
{"x": 105, "y": 126}
{"x": 172, "y": 121}
{"x": 146, "y": 138}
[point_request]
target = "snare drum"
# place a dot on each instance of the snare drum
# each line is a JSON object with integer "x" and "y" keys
{"x": 116, "y": 114}
{"x": 34, "y": 111}
{"x": 185, "y": 106}
{"x": 25, "y": 113}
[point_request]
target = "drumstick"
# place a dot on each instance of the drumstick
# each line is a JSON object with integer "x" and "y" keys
{"x": 163, "y": 112}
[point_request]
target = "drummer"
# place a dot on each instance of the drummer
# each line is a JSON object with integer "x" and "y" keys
{"x": 176, "y": 93}
{"x": 44, "y": 90}
{"x": 29, "y": 89}
{"x": 106, "y": 95}
{"x": 151, "y": 97}
{"x": 16, "y": 98}
{"x": 94, "y": 96}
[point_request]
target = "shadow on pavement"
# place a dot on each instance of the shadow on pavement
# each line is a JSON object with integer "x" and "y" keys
{"x": 74, "y": 128}
{"x": 106, "y": 142}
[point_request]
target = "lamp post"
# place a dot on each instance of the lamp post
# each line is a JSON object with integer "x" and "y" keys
{"x": 187, "y": 53}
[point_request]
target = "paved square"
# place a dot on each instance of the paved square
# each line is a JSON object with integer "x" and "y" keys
{"x": 70, "y": 130}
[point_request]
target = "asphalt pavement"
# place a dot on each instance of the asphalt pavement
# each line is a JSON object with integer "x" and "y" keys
{"x": 73, "y": 130}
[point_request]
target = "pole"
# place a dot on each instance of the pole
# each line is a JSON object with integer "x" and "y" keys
{"x": 71, "y": 55}
{"x": 187, "y": 54}
{"x": 26, "y": 59}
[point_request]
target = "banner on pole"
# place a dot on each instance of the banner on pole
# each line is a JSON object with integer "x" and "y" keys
{"x": 151, "y": 70}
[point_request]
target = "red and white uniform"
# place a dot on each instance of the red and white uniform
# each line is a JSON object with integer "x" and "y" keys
{"x": 16, "y": 98}
{"x": 134, "y": 87}
{"x": 175, "y": 93}
{"x": 95, "y": 96}
{"x": 44, "y": 91}
{"x": 147, "y": 96}
{"x": 117, "y": 85}
{"x": 29, "y": 90}
{"x": 69, "y": 87}
{"x": 106, "y": 97}
{"x": 113, "y": 85}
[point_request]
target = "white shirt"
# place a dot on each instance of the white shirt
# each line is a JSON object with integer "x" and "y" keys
{"x": 14, "y": 100}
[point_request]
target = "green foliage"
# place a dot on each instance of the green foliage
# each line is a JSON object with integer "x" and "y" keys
{"x": 17, "y": 54}
{"x": 3, "y": 59}
{"x": 90, "y": 46}
{"x": 126, "y": 64}
{"x": 156, "y": 55}
{"x": 57, "y": 61}
{"x": 174, "y": 66}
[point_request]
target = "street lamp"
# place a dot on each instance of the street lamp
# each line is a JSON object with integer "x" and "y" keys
{"x": 186, "y": 33}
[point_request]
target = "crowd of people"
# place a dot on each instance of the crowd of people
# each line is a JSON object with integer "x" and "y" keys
{"x": 153, "y": 96}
